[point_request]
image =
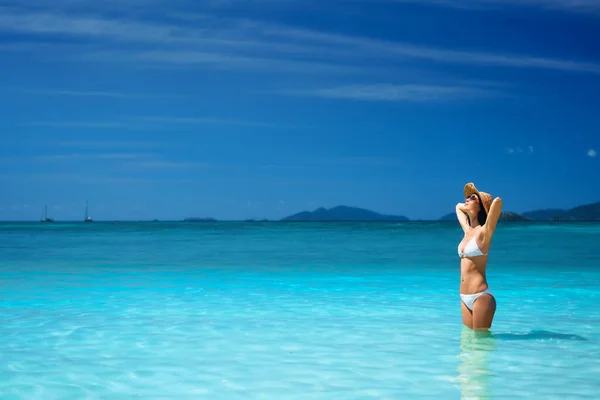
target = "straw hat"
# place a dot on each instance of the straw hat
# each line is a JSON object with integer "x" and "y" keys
{"x": 486, "y": 198}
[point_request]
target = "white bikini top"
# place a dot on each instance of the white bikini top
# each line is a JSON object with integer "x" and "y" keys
{"x": 471, "y": 249}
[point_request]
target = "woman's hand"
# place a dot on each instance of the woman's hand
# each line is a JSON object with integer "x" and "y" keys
{"x": 461, "y": 207}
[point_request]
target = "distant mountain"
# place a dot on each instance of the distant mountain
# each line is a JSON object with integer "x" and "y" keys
{"x": 546, "y": 214}
{"x": 505, "y": 216}
{"x": 199, "y": 220}
{"x": 343, "y": 213}
{"x": 511, "y": 216}
{"x": 588, "y": 212}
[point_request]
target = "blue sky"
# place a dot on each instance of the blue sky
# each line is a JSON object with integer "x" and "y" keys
{"x": 258, "y": 109}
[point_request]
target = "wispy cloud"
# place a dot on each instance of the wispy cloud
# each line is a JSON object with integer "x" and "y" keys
{"x": 152, "y": 123}
{"x": 36, "y": 46}
{"x": 375, "y": 161}
{"x": 586, "y": 6}
{"x": 591, "y": 153}
{"x": 519, "y": 150}
{"x": 256, "y": 45}
{"x": 164, "y": 5}
{"x": 221, "y": 44}
{"x": 117, "y": 161}
{"x": 125, "y": 160}
{"x": 86, "y": 178}
{"x": 392, "y": 92}
{"x": 82, "y": 124}
{"x": 220, "y": 60}
{"x": 88, "y": 144}
{"x": 336, "y": 161}
{"x": 203, "y": 121}
{"x": 97, "y": 156}
{"x": 171, "y": 164}
{"x": 81, "y": 157}
{"x": 390, "y": 49}
{"x": 104, "y": 144}
{"x": 91, "y": 93}
{"x": 92, "y": 27}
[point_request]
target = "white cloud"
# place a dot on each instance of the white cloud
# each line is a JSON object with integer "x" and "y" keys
{"x": 392, "y": 92}
{"x": 224, "y": 61}
{"x": 519, "y": 150}
{"x": 387, "y": 49}
{"x": 582, "y": 6}
{"x": 171, "y": 164}
{"x": 152, "y": 123}
{"x": 125, "y": 160}
{"x": 100, "y": 144}
{"x": 358, "y": 160}
{"x": 90, "y": 27}
{"x": 591, "y": 153}
{"x": 89, "y": 93}
{"x": 247, "y": 44}
{"x": 98, "y": 156}
{"x": 116, "y": 5}
{"x": 82, "y": 124}
{"x": 85, "y": 178}
{"x": 203, "y": 121}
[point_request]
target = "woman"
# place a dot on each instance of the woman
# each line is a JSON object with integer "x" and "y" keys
{"x": 478, "y": 216}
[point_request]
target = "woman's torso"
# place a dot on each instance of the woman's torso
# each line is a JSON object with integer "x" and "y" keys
{"x": 473, "y": 262}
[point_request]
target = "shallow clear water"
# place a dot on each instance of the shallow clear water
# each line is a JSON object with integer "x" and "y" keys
{"x": 293, "y": 311}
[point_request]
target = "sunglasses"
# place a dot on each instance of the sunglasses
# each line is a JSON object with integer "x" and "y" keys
{"x": 472, "y": 197}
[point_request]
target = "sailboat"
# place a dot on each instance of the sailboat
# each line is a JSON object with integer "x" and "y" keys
{"x": 87, "y": 217}
{"x": 45, "y": 217}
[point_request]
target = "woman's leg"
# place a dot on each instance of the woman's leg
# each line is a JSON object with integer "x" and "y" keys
{"x": 467, "y": 315}
{"x": 484, "y": 309}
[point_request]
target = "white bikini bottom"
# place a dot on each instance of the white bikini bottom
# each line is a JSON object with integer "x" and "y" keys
{"x": 469, "y": 299}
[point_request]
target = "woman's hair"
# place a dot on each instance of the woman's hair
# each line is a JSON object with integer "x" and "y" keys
{"x": 481, "y": 215}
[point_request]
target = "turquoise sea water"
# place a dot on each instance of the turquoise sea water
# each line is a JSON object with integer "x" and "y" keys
{"x": 293, "y": 311}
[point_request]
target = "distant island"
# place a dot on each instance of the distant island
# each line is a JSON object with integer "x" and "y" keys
{"x": 511, "y": 216}
{"x": 505, "y": 216}
{"x": 343, "y": 213}
{"x": 588, "y": 212}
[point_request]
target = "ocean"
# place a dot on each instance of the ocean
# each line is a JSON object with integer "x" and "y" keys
{"x": 234, "y": 310}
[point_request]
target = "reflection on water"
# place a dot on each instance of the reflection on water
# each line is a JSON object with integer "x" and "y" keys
{"x": 473, "y": 367}
{"x": 476, "y": 347}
